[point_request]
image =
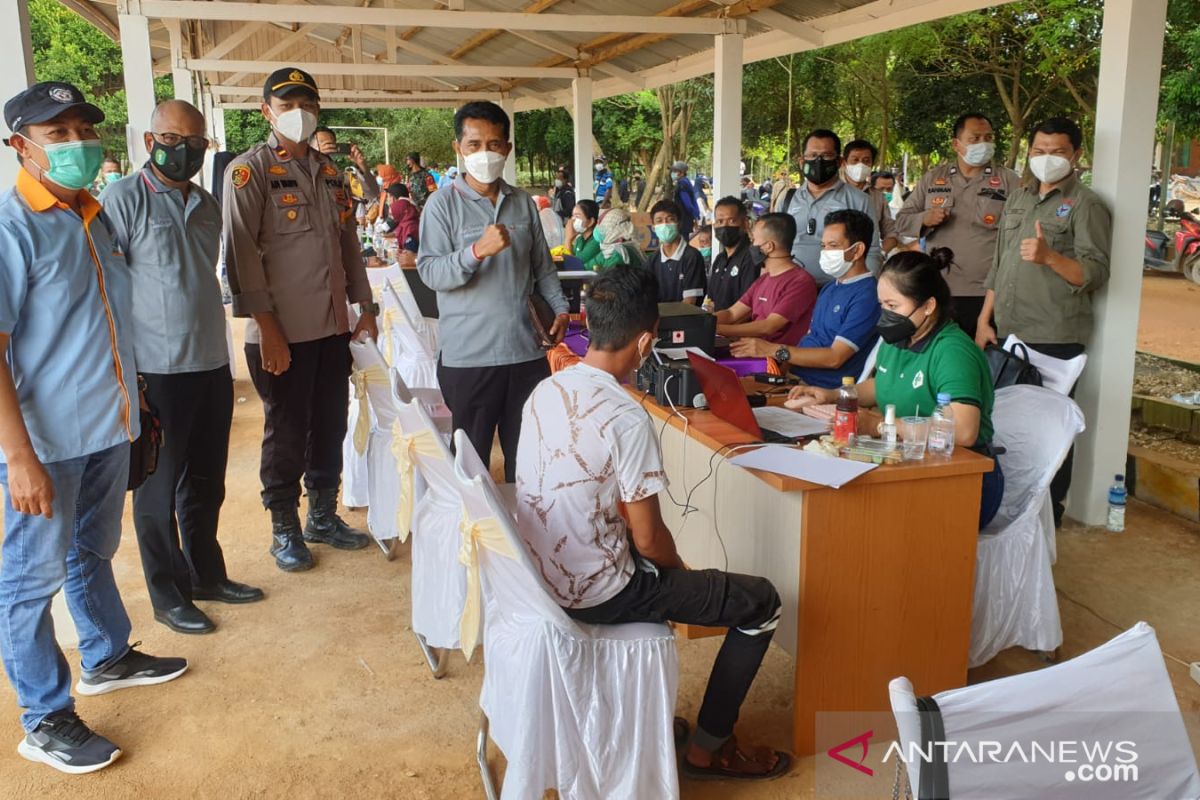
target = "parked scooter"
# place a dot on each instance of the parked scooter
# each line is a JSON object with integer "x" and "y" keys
{"x": 1187, "y": 246}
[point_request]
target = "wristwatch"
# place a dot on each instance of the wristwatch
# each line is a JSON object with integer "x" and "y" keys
{"x": 371, "y": 308}
{"x": 783, "y": 354}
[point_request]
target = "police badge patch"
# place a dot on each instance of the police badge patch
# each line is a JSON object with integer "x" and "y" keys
{"x": 239, "y": 176}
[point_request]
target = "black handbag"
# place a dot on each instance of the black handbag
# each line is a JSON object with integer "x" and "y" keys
{"x": 143, "y": 453}
{"x": 1011, "y": 368}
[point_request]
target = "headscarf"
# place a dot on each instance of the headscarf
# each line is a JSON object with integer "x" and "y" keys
{"x": 615, "y": 229}
{"x": 387, "y": 175}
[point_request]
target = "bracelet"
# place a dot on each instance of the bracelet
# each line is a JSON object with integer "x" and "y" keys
{"x": 475, "y": 255}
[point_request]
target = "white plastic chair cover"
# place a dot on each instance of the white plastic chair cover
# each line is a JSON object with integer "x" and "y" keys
{"x": 1059, "y": 374}
{"x": 552, "y": 227}
{"x": 427, "y": 327}
{"x": 584, "y": 709}
{"x": 1119, "y": 692}
{"x": 869, "y": 366}
{"x": 438, "y": 579}
{"x": 1015, "y": 603}
{"x": 372, "y": 411}
{"x": 415, "y": 360}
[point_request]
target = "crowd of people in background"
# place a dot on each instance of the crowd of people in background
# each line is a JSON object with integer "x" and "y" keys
{"x": 811, "y": 276}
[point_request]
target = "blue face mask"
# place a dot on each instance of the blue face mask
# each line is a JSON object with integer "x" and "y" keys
{"x": 73, "y": 165}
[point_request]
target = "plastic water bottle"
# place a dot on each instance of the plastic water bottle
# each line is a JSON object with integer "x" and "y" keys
{"x": 845, "y": 419}
{"x": 941, "y": 428}
{"x": 1117, "y": 495}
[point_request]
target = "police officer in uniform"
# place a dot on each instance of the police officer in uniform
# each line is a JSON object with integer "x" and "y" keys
{"x": 958, "y": 205}
{"x": 292, "y": 251}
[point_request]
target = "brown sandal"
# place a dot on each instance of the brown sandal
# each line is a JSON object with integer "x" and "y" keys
{"x": 730, "y": 762}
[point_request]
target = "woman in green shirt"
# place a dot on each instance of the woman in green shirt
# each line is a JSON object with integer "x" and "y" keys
{"x": 585, "y": 246}
{"x": 925, "y": 353}
{"x": 617, "y": 245}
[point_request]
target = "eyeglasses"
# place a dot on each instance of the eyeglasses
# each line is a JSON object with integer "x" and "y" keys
{"x": 173, "y": 139}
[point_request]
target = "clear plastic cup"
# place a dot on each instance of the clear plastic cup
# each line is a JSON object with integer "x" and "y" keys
{"x": 914, "y": 434}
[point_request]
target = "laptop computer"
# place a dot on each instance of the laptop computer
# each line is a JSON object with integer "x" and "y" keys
{"x": 727, "y": 399}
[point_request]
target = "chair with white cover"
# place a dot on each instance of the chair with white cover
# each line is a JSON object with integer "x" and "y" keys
{"x": 414, "y": 359}
{"x": 583, "y": 709}
{"x": 416, "y": 449}
{"x": 372, "y": 412}
{"x": 1015, "y": 602}
{"x": 869, "y": 365}
{"x": 1110, "y": 717}
{"x": 426, "y": 327}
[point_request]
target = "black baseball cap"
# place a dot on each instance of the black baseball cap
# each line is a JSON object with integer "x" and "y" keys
{"x": 284, "y": 81}
{"x": 44, "y": 101}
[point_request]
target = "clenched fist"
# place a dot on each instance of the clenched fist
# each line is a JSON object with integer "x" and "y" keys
{"x": 934, "y": 217}
{"x": 495, "y": 240}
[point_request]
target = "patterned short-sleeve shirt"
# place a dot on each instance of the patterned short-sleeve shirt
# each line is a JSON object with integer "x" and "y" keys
{"x": 586, "y": 446}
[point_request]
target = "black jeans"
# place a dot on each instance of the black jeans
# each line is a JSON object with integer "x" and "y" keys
{"x": 747, "y": 605}
{"x": 183, "y": 498}
{"x": 1061, "y": 483}
{"x": 482, "y": 399}
{"x": 966, "y": 313}
{"x": 305, "y": 422}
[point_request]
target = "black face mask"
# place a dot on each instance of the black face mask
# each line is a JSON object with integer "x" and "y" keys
{"x": 757, "y": 253}
{"x": 178, "y": 163}
{"x": 728, "y": 235}
{"x": 894, "y": 327}
{"x": 819, "y": 170}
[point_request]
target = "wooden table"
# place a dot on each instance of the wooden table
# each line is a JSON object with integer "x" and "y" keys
{"x": 876, "y": 577}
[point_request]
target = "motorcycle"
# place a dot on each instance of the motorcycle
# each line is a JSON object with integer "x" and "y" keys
{"x": 1187, "y": 248}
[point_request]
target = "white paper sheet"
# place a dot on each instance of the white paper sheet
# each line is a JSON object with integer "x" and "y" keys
{"x": 680, "y": 353}
{"x": 1057, "y": 373}
{"x": 825, "y": 470}
{"x": 789, "y": 423}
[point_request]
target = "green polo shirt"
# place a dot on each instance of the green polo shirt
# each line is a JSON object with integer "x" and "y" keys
{"x": 1033, "y": 301}
{"x": 947, "y": 361}
{"x": 587, "y": 249}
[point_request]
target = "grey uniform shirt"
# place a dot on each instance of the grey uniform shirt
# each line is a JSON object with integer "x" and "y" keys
{"x": 807, "y": 248}
{"x": 976, "y": 205}
{"x": 482, "y": 305}
{"x": 171, "y": 247}
{"x": 291, "y": 243}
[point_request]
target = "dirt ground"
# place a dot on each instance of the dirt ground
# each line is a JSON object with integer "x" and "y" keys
{"x": 320, "y": 691}
{"x": 1167, "y": 326}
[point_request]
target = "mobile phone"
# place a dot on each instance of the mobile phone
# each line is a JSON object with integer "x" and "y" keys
{"x": 343, "y": 149}
{"x": 772, "y": 380}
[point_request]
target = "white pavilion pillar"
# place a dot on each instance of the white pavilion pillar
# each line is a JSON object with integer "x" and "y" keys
{"x": 138, "y": 68}
{"x": 727, "y": 115}
{"x": 181, "y": 76}
{"x": 581, "y": 118}
{"x": 16, "y": 70}
{"x": 1130, "y": 59}
{"x": 510, "y": 167}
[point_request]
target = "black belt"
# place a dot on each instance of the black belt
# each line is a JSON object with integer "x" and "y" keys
{"x": 935, "y": 778}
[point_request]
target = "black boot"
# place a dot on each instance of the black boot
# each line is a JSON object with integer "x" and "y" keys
{"x": 287, "y": 542}
{"x": 326, "y": 527}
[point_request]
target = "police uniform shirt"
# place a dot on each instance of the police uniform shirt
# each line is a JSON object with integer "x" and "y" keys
{"x": 976, "y": 204}
{"x": 732, "y": 275}
{"x": 680, "y": 275}
{"x": 291, "y": 242}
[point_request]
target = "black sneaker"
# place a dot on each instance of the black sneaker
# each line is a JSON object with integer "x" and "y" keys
{"x": 134, "y": 669}
{"x": 65, "y": 742}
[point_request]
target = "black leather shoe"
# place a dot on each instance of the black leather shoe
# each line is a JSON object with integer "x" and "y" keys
{"x": 326, "y": 527}
{"x": 228, "y": 592}
{"x": 185, "y": 619}
{"x": 287, "y": 542}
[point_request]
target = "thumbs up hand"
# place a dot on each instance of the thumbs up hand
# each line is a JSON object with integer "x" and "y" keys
{"x": 1035, "y": 250}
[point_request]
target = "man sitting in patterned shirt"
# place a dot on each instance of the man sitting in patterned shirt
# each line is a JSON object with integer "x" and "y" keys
{"x": 586, "y": 449}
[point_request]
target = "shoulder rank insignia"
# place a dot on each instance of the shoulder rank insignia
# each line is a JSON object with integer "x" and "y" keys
{"x": 240, "y": 176}
{"x": 275, "y": 169}
{"x": 329, "y": 170}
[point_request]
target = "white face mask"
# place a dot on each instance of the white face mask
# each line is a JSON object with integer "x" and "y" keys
{"x": 979, "y": 153}
{"x": 834, "y": 263}
{"x": 579, "y": 225}
{"x": 296, "y": 125}
{"x": 857, "y": 173}
{"x": 485, "y": 166}
{"x": 1050, "y": 169}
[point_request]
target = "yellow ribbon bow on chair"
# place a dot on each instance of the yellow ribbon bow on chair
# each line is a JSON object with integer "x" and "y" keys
{"x": 405, "y": 448}
{"x": 362, "y": 424}
{"x": 387, "y": 322}
{"x": 485, "y": 532}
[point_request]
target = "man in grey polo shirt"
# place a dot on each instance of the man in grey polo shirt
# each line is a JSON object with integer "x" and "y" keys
{"x": 483, "y": 251}
{"x": 823, "y": 191}
{"x": 170, "y": 230}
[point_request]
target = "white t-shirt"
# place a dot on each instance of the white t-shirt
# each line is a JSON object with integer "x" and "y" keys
{"x": 585, "y": 445}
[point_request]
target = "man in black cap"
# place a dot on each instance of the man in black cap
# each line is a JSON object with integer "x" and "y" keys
{"x": 68, "y": 395}
{"x": 291, "y": 248}
{"x": 420, "y": 183}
